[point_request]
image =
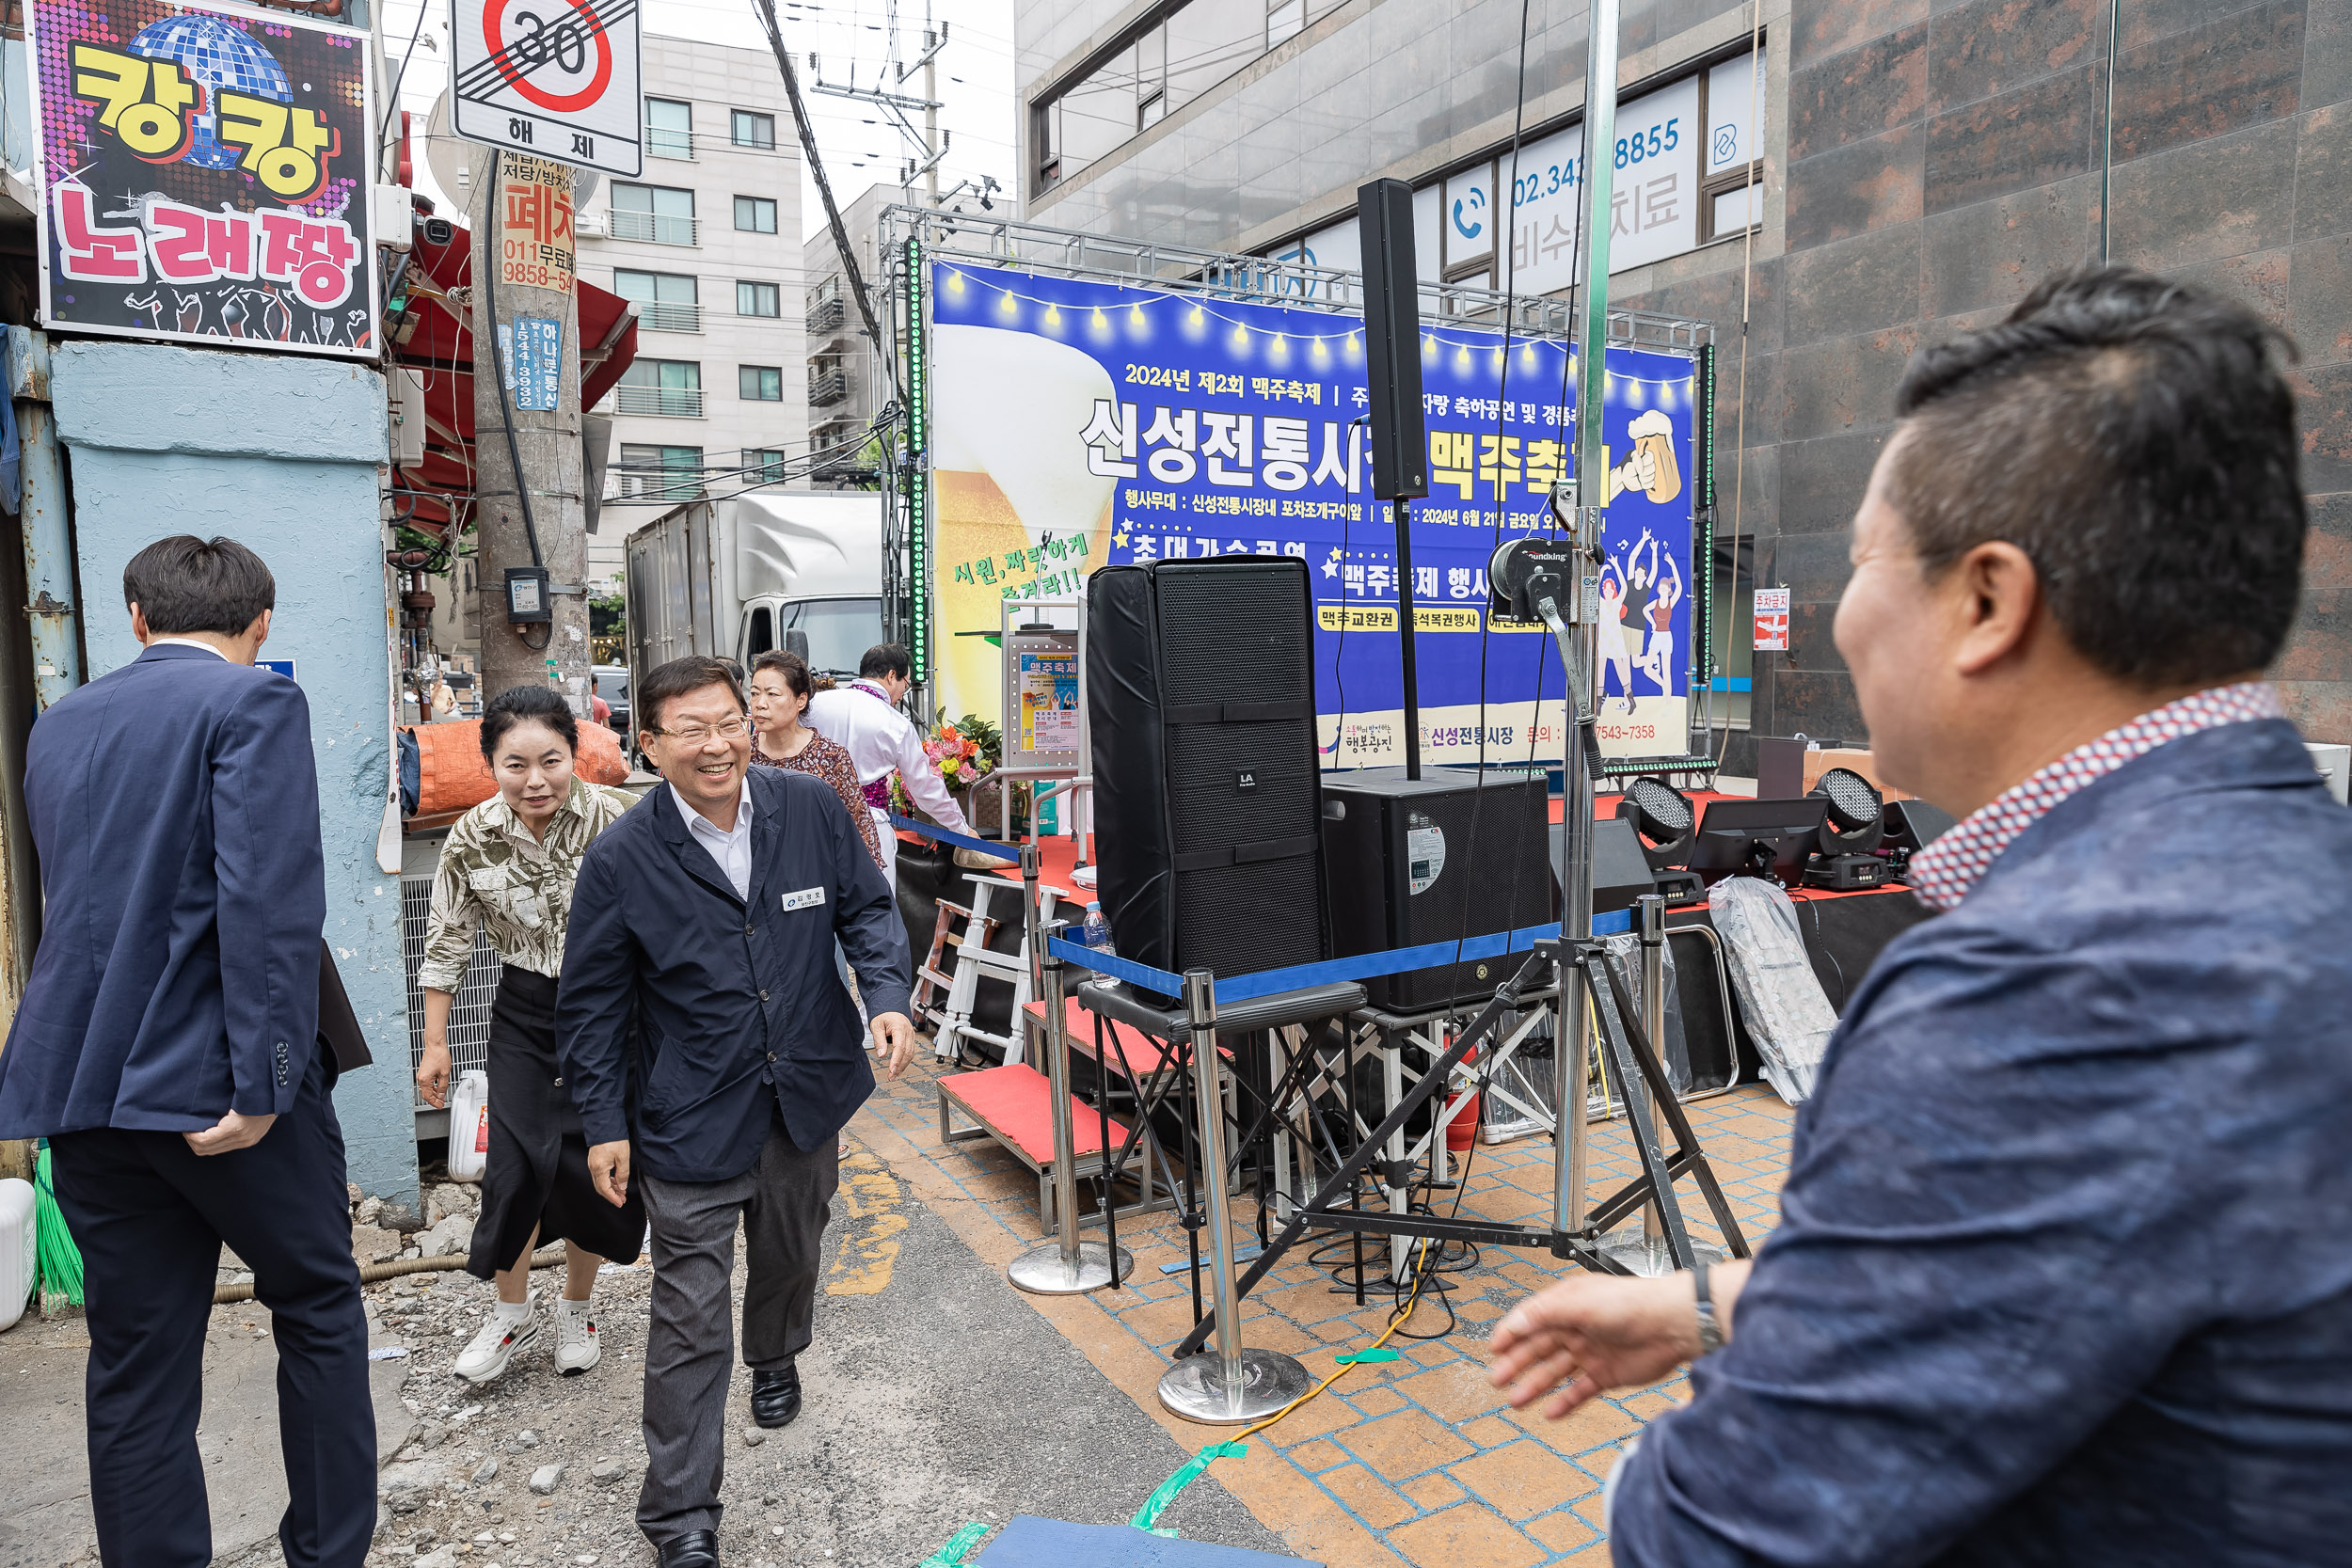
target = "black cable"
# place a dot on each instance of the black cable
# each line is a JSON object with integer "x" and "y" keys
{"x": 385, "y": 129}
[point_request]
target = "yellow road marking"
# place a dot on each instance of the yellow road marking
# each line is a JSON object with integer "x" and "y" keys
{"x": 869, "y": 1245}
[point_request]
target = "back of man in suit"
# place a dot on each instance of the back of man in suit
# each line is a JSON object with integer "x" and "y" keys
{"x": 169, "y": 1046}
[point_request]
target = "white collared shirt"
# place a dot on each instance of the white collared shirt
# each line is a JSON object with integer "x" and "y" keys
{"x": 881, "y": 740}
{"x": 188, "y": 642}
{"x": 732, "y": 850}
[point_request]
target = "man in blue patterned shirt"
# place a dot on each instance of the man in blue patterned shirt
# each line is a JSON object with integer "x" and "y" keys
{"x": 2062, "y": 1275}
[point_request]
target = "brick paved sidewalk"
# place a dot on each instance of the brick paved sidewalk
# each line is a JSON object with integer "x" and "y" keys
{"x": 1415, "y": 1461}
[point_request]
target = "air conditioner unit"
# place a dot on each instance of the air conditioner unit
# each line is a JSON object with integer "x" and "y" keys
{"x": 2335, "y": 763}
{"x": 591, "y": 226}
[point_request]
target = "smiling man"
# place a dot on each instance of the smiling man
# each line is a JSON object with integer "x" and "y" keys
{"x": 699, "y": 979}
{"x": 2061, "y": 1276}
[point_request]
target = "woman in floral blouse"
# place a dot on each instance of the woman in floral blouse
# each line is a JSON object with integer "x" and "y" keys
{"x": 507, "y": 870}
{"x": 780, "y": 690}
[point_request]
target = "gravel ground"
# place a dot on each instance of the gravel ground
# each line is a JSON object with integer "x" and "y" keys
{"x": 935, "y": 1396}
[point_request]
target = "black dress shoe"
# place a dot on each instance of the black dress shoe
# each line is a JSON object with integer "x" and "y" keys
{"x": 697, "y": 1548}
{"x": 777, "y": 1397}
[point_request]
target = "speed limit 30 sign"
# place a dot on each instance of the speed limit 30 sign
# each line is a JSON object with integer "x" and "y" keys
{"x": 554, "y": 78}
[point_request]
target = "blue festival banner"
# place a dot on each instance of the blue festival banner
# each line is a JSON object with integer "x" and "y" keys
{"x": 1077, "y": 423}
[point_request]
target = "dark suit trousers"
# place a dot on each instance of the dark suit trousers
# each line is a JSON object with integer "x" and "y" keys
{"x": 782, "y": 1203}
{"x": 150, "y": 1218}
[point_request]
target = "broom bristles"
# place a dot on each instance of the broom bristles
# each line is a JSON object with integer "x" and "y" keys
{"x": 59, "y": 1259}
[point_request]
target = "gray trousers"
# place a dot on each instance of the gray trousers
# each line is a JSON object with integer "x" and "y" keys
{"x": 784, "y": 1201}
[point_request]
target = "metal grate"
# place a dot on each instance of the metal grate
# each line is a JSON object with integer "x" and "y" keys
{"x": 470, "y": 1019}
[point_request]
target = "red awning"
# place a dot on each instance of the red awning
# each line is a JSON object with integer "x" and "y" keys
{"x": 433, "y": 338}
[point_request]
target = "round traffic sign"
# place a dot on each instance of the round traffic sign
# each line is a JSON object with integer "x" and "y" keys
{"x": 561, "y": 64}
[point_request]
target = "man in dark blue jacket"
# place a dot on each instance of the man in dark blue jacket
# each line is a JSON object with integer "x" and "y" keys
{"x": 2061, "y": 1274}
{"x": 701, "y": 1016}
{"x": 169, "y": 1045}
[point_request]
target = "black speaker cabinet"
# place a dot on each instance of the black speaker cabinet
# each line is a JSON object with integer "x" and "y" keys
{"x": 1200, "y": 703}
{"x": 1400, "y": 429}
{"x": 1433, "y": 859}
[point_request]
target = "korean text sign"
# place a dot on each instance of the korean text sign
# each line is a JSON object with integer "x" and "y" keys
{"x": 1075, "y": 424}
{"x": 203, "y": 175}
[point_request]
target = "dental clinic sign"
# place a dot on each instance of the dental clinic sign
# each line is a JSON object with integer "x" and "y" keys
{"x": 1074, "y": 423}
{"x": 203, "y": 175}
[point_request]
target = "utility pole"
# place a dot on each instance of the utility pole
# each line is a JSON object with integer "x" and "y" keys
{"x": 529, "y": 464}
{"x": 931, "y": 138}
{"x": 934, "y": 149}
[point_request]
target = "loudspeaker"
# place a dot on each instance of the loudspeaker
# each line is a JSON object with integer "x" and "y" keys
{"x": 1913, "y": 825}
{"x": 1437, "y": 859}
{"x": 1620, "y": 870}
{"x": 1400, "y": 439}
{"x": 1201, "y": 708}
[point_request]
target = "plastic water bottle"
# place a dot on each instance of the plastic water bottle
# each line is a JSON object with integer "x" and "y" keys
{"x": 1096, "y": 932}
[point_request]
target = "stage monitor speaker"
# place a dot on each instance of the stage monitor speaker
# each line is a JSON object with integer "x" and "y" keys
{"x": 1435, "y": 858}
{"x": 1913, "y": 825}
{"x": 1202, "y": 709}
{"x": 1621, "y": 871}
{"x": 1400, "y": 439}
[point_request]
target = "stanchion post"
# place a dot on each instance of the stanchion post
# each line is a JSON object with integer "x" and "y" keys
{"x": 1065, "y": 1266}
{"x": 1234, "y": 1385}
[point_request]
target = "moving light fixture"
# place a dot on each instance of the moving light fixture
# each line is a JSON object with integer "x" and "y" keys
{"x": 1854, "y": 826}
{"x": 1662, "y": 817}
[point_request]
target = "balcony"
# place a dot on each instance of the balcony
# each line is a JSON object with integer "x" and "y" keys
{"x": 657, "y": 228}
{"x": 830, "y": 388}
{"x": 657, "y": 488}
{"x": 670, "y": 144}
{"x": 668, "y": 403}
{"x": 669, "y": 316}
{"x": 826, "y": 318}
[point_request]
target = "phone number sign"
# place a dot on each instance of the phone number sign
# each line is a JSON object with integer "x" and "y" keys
{"x": 557, "y": 78}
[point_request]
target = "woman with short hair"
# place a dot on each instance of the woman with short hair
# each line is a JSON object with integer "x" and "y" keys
{"x": 507, "y": 869}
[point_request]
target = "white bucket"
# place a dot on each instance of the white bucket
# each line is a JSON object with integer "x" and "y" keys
{"x": 20, "y": 1253}
{"x": 469, "y": 1127}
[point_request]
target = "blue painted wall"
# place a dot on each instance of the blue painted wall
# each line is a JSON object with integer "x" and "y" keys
{"x": 280, "y": 452}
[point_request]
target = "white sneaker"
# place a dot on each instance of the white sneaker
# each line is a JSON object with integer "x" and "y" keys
{"x": 508, "y": 1330}
{"x": 576, "y": 1345}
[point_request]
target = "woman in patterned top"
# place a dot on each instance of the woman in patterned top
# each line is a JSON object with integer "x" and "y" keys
{"x": 507, "y": 869}
{"x": 780, "y": 690}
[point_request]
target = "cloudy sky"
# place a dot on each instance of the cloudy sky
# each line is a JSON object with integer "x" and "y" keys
{"x": 859, "y": 142}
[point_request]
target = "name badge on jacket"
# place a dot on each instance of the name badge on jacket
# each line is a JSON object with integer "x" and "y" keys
{"x": 807, "y": 899}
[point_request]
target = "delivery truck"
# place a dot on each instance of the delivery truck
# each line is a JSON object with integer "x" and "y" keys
{"x": 737, "y": 577}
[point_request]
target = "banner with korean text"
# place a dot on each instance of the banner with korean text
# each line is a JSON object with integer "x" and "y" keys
{"x": 1075, "y": 424}
{"x": 203, "y": 175}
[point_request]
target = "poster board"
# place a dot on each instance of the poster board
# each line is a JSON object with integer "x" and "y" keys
{"x": 1073, "y": 422}
{"x": 203, "y": 175}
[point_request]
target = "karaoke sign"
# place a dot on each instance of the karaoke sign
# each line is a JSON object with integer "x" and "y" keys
{"x": 203, "y": 175}
{"x": 1074, "y": 423}
{"x": 555, "y": 78}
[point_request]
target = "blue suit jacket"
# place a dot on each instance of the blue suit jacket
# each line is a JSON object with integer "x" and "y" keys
{"x": 688, "y": 1018}
{"x": 175, "y": 806}
{"x": 2062, "y": 1273}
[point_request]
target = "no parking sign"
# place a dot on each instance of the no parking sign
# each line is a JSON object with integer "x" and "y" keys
{"x": 555, "y": 78}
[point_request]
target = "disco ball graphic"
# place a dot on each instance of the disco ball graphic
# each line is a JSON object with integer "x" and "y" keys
{"x": 216, "y": 55}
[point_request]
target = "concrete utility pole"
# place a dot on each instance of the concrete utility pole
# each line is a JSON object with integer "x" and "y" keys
{"x": 932, "y": 150}
{"x": 529, "y": 478}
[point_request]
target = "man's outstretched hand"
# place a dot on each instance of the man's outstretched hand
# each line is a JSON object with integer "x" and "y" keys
{"x": 894, "y": 1041}
{"x": 1590, "y": 1333}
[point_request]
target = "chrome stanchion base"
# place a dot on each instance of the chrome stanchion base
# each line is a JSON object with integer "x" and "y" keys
{"x": 1043, "y": 1270}
{"x": 1195, "y": 1390}
{"x": 1649, "y": 1256}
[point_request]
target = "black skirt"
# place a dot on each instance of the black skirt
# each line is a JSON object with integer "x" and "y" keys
{"x": 536, "y": 1173}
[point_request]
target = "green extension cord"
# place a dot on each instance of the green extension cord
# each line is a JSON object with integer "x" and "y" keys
{"x": 60, "y": 1260}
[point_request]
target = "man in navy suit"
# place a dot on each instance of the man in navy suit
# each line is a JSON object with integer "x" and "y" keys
{"x": 703, "y": 925}
{"x": 169, "y": 1046}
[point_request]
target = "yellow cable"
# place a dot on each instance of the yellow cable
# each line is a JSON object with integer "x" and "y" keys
{"x": 1420, "y": 1277}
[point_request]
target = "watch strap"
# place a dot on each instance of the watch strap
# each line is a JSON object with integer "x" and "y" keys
{"x": 1710, "y": 1326}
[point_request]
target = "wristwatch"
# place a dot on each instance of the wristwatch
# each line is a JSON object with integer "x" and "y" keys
{"x": 1711, "y": 1327}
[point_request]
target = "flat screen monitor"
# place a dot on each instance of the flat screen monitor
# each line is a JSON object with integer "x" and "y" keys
{"x": 1735, "y": 835}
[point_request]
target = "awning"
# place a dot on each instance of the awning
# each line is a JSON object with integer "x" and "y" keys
{"x": 432, "y": 337}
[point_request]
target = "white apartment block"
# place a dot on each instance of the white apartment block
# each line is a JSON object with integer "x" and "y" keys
{"x": 844, "y": 394}
{"x": 706, "y": 242}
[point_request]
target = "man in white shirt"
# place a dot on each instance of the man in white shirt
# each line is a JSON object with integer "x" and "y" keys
{"x": 864, "y": 718}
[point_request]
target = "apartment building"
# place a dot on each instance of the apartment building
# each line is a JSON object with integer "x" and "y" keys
{"x": 844, "y": 390}
{"x": 707, "y": 242}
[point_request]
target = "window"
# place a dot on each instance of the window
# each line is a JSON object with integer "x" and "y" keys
{"x": 763, "y": 634}
{"x": 752, "y": 129}
{"x": 758, "y": 299}
{"x": 759, "y": 382}
{"x": 762, "y": 466}
{"x": 754, "y": 214}
{"x": 668, "y": 128}
{"x": 1284, "y": 20}
{"x": 665, "y": 301}
{"x": 661, "y": 214}
{"x": 672, "y": 389}
{"x": 653, "y": 473}
{"x": 839, "y": 630}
